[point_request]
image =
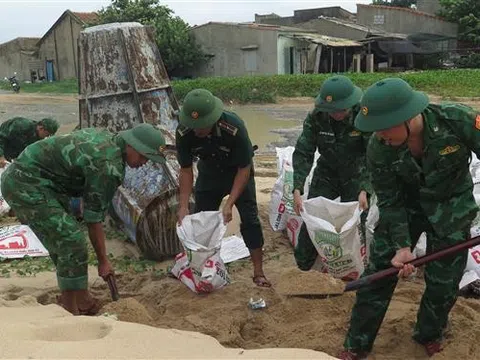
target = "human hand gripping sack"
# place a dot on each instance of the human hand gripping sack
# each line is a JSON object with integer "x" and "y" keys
{"x": 227, "y": 213}
{"x": 363, "y": 200}
{"x": 297, "y": 202}
{"x": 403, "y": 256}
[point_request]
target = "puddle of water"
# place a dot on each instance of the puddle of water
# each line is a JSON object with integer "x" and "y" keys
{"x": 260, "y": 125}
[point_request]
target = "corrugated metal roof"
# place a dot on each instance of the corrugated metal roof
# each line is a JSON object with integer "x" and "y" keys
{"x": 324, "y": 40}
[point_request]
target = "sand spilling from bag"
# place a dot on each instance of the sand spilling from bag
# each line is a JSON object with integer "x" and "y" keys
{"x": 296, "y": 282}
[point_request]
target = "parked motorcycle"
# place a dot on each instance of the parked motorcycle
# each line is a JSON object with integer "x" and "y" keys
{"x": 14, "y": 82}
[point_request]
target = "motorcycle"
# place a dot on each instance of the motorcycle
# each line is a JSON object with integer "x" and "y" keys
{"x": 14, "y": 82}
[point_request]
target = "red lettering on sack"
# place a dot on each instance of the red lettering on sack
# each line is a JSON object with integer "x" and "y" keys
{"x": 281, "y": 208}
{"x": 476, "y": 256}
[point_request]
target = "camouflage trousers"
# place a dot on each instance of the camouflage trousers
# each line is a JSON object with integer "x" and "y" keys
{"x": 47, "y": 215}
{"x": 330, "y": 188}
{"x": 442, "y": 278}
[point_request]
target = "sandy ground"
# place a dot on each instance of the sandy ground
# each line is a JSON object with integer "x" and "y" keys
{"x": 32, "y": 330}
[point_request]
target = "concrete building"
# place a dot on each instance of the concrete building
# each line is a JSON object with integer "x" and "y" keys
{"x": 259, "y": 49}
{"x": 16, "y": 56}
{"x": 303, "y": 15}
{"x": 57, "y": 49}
{"x": 410, "y": 22}
{"x": 429, "y": 6}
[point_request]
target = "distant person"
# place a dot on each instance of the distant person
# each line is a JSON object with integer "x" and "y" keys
{"x": 341, "y": 168}
{"x": 90, "y": 163}
{"x": 220, "y": 140}
{"x": 17, "y": 133}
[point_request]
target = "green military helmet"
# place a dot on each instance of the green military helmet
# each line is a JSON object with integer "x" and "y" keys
{"x": 147, "y": 140}
{"x": 49, "y": 125}
{"x": 338, "y": 93}
{"x": 388, "y": 103}
{"x": 200, "y": 109}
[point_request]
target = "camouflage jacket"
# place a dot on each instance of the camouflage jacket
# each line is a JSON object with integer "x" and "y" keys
{"x": 439, "y": 185}
{"x": 87, "y": 163}
{"x": 15, "y": 135}
{"x": 227, "y": 148}
{"x": 341, "y": 147}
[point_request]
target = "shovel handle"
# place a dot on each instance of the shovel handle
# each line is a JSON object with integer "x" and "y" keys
{"x": 367, "y": 280}
{"x": 112, "y": 285}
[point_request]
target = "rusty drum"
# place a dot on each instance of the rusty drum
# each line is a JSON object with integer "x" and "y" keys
{"x": 123, "y": 82}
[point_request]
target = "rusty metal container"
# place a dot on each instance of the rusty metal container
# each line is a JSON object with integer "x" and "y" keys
{"x": 123, "y": 82}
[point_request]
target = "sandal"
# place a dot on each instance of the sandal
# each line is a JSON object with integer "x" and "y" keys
{"x": 262, "y": 281}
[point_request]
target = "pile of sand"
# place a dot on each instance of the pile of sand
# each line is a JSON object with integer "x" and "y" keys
{"x": 35, "y": 331}
{"x": 296, "y": 282}
{"x": 129, "y": 310}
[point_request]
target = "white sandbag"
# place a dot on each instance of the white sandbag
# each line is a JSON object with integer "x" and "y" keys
{"x": 200, "y": 267}
{"x": 281, "y": 202}
{"x": 4, "y": 207}
{"x": 334, "y": 229}
{"x": 18, "y": 241}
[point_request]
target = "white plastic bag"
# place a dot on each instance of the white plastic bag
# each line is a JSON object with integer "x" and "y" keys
{"x": 200, "y": 267}
{"x": 4, "y": 207}
{"x": 334, "y": 229}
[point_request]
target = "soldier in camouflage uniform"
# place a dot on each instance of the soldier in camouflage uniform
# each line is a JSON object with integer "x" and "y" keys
{"x": 89, "y": 163}
{"x": 419, "y": 163}
{"x": 220, "y": 140}
{"x": 17, "y": 133}
{"x": 340, "y": 169}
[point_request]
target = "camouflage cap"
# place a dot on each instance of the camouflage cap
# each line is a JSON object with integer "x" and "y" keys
{"x": 49, "y": 125}
{"x": 147, "y": 140}
{"x": 200, "y": 109}
{"x": 338, "y": 93}
{"x": 388, "y": 103}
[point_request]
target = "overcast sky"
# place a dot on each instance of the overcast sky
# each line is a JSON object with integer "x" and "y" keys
{"x": 32, "y": 18}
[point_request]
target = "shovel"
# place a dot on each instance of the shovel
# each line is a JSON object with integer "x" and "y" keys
{"x": 367, "y": 280}
{"x": 112, "y": 285}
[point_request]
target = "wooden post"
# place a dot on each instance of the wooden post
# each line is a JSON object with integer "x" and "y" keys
{"x": 344, "y": 59}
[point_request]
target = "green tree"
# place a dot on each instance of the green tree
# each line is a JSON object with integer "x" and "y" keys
{"x": 466, "y": 13}
{"x": 399, "y": 3}
{"x": 180, "y": 52}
